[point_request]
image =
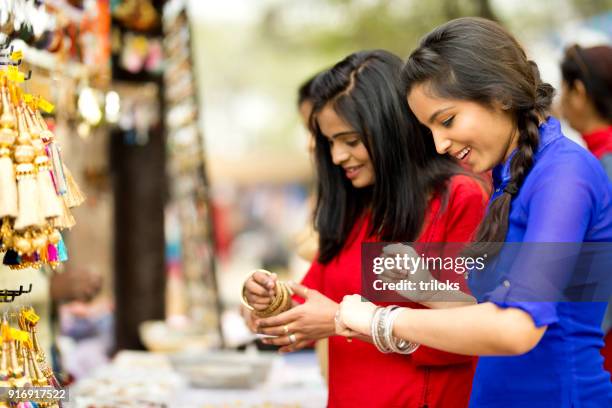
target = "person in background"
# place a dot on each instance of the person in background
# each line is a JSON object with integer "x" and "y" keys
{"x": 471, "y": 84}
{"x": 306, "y": 241}
{"x": 378, "y": 179}
{"x": 586, "y": 104}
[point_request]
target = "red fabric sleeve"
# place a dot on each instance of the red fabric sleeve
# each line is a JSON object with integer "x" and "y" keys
{"x": 465, "y": 209}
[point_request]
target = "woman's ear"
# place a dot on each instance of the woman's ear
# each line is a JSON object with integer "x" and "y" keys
{"x": 580, "y": 91}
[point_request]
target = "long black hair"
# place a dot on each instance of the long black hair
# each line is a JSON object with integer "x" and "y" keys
{"x": 365, "y": 90}
{"x": 476, "y": 59}
{"x": 593, "y": 67}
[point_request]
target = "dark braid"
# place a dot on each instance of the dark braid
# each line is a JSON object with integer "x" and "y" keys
{"x": 476, "y": 59}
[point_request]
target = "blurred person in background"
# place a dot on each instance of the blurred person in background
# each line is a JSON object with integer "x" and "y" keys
{"x": 378, "y": 179}
{"x": 586, "y": 104}
{"x": 470, "y": 81}
{"x": 306, "y": 241}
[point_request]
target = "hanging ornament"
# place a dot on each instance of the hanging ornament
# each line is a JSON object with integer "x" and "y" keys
{"x": 37, "y": 190}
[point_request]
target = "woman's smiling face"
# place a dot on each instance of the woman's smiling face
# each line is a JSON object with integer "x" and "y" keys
{"x": 478, "y": 136}
{"x": 346, "y": 148}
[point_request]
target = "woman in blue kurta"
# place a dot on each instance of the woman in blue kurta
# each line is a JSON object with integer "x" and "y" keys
{"x": 471, "y": 84}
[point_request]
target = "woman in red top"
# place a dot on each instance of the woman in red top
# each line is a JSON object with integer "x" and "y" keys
{"x": 586, "y": 103}
{"x": 377, "y": 181}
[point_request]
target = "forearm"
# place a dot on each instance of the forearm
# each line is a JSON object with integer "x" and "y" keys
{"x": 482, "y": 329}
{"x": 445, "y": 300}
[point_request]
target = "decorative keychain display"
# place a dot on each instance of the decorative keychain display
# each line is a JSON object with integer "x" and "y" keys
{"x": 280, "y": 303}
{"x": 36, "y": 189}
{"x": 23, "y": 364}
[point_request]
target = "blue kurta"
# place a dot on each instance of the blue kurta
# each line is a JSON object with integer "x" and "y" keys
{"x": 566, "y": 198}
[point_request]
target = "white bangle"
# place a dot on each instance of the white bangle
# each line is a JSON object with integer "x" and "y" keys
{"x": 374, "y": 330}
{"x": 397, "y": 345}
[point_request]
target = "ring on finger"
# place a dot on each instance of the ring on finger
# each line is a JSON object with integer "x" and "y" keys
{"x": 286, "y": 329}
{"x": 292, "y": 338}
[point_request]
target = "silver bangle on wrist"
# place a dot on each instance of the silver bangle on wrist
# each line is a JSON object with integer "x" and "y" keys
{"x": 382, "y": 332}
{"x": 374, "y": 329}
{"x": 396, "y": 345}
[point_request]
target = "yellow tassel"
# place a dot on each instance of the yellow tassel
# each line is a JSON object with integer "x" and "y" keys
{"x": 74, "y": 195}
{"x": 38, "y": 376}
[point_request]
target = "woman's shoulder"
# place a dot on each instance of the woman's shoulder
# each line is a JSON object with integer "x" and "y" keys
{"x": 568, "y": 162}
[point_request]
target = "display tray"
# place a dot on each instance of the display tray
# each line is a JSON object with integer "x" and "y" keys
{"x": 222, "y": 369}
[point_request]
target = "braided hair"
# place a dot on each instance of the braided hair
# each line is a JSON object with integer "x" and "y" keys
{"x": 476, "y": 59}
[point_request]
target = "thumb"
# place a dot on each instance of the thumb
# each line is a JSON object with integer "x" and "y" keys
{"x": 300, "y": 290}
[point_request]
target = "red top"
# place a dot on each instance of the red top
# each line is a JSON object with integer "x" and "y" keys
{"x": 599, "y": 142}
{"x": 361, "y": 376}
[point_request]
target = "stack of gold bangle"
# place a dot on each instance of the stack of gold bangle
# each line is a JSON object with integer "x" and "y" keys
{"x": 280, "y": 303}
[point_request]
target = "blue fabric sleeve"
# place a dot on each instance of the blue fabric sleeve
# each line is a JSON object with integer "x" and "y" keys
{"x": 559, "y": 206}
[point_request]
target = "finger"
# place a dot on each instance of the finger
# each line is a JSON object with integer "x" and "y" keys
{"x": 301, "y": 290}
{"x": 279, "y": 331}
{"x": 282, "y": 341}
{"x": 265, "y": 280}
{"x": 280, "y": 319}
{"x": 253, "y": 298}
{"x": 394, "y": 274}
{"x": 255, "y": 288}
{"x": 294, "y": 347}
{"x": 259, "y": 307}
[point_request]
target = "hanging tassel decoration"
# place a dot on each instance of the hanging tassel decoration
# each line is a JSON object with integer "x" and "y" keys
{"x": 8, "y": 186}
{"x": 74, "y": 195}
{"x": 11, "y": 258}
{"x": 66, "y": 220}
{"x": 50, "y": 204}
{"x": 54, "y": 153}
{"x": 27, "y": 186}
{"x": 6, "y": 234}
{"x": 59, "y": 179}
{"x": 62, "y": 251}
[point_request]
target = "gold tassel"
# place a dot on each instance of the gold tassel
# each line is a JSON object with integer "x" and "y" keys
{"x": 38, "y": 377}
{"x": 8, "y": 186}
{"x": 66, "y": 220}
{"x": 74, "y": 195}
{"x": 27, "y": 374}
